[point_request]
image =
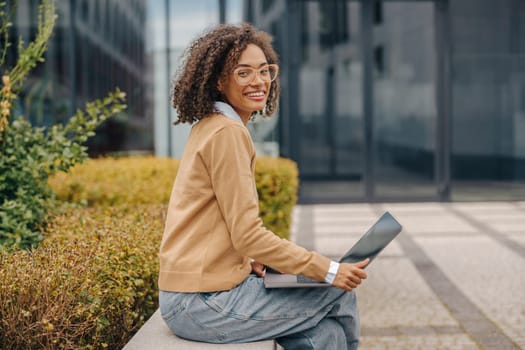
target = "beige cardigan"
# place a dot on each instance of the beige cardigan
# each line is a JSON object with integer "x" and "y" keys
{"x": 213, "y": 226}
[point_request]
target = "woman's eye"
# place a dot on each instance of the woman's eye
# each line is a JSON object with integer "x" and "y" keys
{"x": 264, "y": 71}
{"x": 243, "y": 73}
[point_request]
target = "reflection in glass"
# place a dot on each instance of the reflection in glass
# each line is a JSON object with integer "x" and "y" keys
{"x": 404, "y": 100}
{"x": 93, "y": 50}
{"x": 330, "y": 99}
{"x": 173, "y": 25}
{"x": 488, "y": 108}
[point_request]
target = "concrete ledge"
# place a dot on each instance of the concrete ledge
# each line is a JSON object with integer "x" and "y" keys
{"x": 156, "y": 335}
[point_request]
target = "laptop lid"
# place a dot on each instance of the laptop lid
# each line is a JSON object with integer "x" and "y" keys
{"x": 369, "y": 245}
{"x": 374, "y": 240}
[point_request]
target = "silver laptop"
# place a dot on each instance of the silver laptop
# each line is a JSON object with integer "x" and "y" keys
{"x": 369, "y": 246}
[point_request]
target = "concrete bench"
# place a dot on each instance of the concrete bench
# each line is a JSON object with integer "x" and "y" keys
{"x": 156, "y": 335}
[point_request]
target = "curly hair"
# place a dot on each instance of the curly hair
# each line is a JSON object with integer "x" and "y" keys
{"x": 209, "y": 59}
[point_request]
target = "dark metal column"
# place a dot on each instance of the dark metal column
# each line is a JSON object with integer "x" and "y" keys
{"x": 222, "y": 11}
{"x": 292, "y": 61}
{"x": 368, "y": 111}
{"x": 168, "y": 75}
{"x": 443, "y": 99}
{"x": 330, "y": 93}
{"x": 329, "y": 115}
{"x": 72, "y": 57}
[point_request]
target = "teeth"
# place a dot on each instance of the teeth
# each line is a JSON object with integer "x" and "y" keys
{"x": 255, "y": 94}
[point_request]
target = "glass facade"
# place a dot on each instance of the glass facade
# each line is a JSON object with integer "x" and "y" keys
{"x": 401, "y": 100}
{"x": 321, "y": 115}
{"x": 172, "y": 25}
{"x": 488, "y": 99}
{"x": 97, "y": 45}
{"x": 393, "y": 100}
{"x": 404, "y": 99}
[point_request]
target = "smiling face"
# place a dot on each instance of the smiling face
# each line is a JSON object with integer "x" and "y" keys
{"x": 246, "y": 99}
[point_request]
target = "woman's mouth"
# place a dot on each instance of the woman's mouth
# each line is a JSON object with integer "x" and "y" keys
{"x": 256, "y": 95}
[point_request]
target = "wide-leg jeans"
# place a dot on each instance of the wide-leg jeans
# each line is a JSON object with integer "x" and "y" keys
{"x": 298, "y": 318}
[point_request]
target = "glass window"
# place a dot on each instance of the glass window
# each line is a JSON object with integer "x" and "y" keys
{"x": 404, "y": 101}
{"x": 329, "y": 93}
{"x": 488, "y": 107}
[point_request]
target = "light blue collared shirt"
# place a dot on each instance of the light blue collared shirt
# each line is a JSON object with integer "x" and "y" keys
{"x": 227, "y": 110}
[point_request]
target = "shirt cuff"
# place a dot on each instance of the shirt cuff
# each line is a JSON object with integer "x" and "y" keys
{"x": 332, "y": 271}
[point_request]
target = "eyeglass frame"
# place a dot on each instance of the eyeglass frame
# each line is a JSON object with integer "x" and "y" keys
{"x": 257, "y": 73}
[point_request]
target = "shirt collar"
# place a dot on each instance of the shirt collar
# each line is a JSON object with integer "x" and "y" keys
{"x": 227, "y": 110}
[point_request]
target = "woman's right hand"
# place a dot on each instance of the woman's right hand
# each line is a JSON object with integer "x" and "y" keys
{"x": 349, "y": 276}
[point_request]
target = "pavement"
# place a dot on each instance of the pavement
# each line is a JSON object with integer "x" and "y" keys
{"x": 453, "y": 279}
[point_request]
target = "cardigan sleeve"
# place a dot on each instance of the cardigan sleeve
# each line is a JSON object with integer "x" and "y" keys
{"x": 229, "y": 155}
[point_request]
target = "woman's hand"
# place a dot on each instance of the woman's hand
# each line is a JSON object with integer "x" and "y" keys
{"x": 258, "y": 268}
{"x": 349, "y": 276}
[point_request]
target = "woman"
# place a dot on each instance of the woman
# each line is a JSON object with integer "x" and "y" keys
{"x": 214, "y": 238}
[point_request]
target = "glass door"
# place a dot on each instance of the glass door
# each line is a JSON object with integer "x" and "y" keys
{"x": 489, "y": 92}
{"x": 404, "y": 106}
{"x": 330, "y": 112}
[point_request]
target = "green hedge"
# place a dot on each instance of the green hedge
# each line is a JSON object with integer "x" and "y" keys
{"x": 93, "y": 281}
{"x": 117, "y": 181}
{"x": 90, "y": 285}
{"x": 277, "y": 182}
{"x": 144, "y": 180}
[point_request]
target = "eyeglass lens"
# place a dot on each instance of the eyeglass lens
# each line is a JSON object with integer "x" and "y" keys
{"x": 245, "y": 75}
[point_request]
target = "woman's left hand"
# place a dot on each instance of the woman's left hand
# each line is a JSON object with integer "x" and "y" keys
{"x": 258, "y": 268}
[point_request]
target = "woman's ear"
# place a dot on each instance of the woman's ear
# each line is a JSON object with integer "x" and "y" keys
{"x": 219, "y": 86}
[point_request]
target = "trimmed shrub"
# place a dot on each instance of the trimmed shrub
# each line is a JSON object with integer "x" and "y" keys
{"x": 125, "y": 181}
{"x": 90, "y": 285}
{"x": 93, "y": 281}
{"x": 277, "y": 183}
{"x": 141, "y": 180}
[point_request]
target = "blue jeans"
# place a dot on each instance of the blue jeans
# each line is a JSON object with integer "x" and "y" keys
{"x": 298, "y": 318}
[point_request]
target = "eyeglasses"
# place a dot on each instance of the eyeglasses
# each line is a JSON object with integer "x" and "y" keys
{"x": 245, "y": 75}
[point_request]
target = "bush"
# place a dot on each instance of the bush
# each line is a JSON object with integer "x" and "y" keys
{"x": 142, "y": 180}
{"x": 29, "y": 155}
{"x": 117, "y": 181}
{"x": 93, "y": 281}
{"x": 90, "y": 285}
{"x": 277, "y": 183}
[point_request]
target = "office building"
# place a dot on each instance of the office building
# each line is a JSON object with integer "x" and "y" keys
{"x": 97, "y": 45}
{"x": 414, "y": 100}
{"x": 401, "y": 100}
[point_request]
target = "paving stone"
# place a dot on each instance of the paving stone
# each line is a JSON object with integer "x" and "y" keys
{"x": 466, "y": 242}
{"x": 490, "y": 275}
{"x": 434, "y": 342}
{"x": 395, "y": 295}
{"x": 337, "y": 246}
{"x": 418, "y": 224}
{"x": 490, "y": 206}
{"x": 491, "y": 213}
{"x": 431, "y": 208}
{"x": 520, "y": 205}
{"x": 348, "y": 209}
{"x": 342, "y": 228}
{"x": 511, "y": 224}
{"x": 518, "y": 238}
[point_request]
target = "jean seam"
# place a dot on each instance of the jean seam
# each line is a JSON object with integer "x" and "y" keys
{"x": 309, "y": 340}
{"x": 220, "y": 335}
{"x": 173, "y": 312}
{"x": 243, "y": 317}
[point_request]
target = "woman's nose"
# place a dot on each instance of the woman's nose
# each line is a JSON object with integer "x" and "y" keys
{"x": 257, "y": 80}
